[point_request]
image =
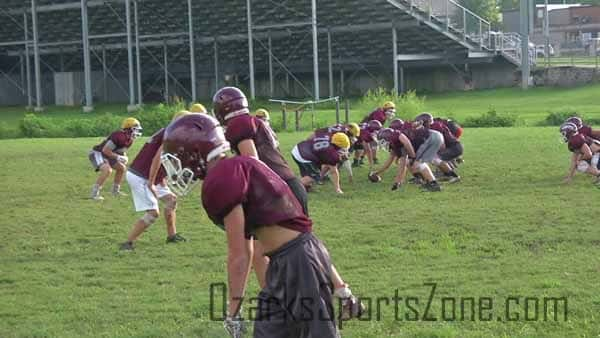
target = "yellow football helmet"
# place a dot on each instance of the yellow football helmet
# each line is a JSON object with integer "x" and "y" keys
{"x": 263, "y": 114}
{"x": 180, "y": 114}
{"x": 134, "y": 125}
{"x": 389, "y": 105}
{"x": 354, "y": 129}
{"x": 341, "y": 140}
{"x": 198, "y": 108}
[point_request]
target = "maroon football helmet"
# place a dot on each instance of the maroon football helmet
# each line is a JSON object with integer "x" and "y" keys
{"x": 568, "y": 130}
{"x": 229, "y": 102}
{"x": 397, "y": 124}
{"x": 374, "y": 126}
{"x": 577, "y": 121}
{"x": 424, "y": 119}
{"x": 190, "y": 142}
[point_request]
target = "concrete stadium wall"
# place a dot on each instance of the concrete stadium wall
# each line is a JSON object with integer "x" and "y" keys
{"x": 566, "y": 76}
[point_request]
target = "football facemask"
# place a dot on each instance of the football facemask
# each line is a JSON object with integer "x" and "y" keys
{"x": 180, "y": 180}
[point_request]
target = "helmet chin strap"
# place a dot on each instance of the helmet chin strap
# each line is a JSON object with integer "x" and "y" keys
{"x": 237, "y": 113}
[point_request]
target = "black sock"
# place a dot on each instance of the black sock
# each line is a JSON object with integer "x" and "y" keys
{"x": 418, "y": 175}
{"x": 451, "y": 174}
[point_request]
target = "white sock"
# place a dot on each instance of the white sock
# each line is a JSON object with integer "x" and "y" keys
{"x": 343, "y": 292}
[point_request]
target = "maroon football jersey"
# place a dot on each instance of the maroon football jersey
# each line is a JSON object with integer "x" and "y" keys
{"x": 577, "y": 141}
{"x": 121, "y": 139}
{"x": 329, "y": 131}
{"x": 449, "y": 138}
{"x": 319, "y": 151}
{"x": 246, "y": 127}
{"x": 266, "y": 198}
{"x": 396, "y": 146}
{"x": 365, "y": 134}
{"x": 417, "y": 136}
{"x": 378, "y": 115}
{"x": 142, "y": 162}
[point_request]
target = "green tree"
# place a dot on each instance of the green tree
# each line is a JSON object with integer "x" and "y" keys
{"x": 487, "y": 9}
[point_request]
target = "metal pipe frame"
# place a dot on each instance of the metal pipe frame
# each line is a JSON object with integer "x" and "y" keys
{"x": 395, "y": 59}
{"x": 216, "y": 64}
{"x": 87, "y": 72}
{"x": 27, "y": 61}
{"x": 330, "y": 65}
{"x": 271, "y": 81}
{"x": 138, "y": 51}
{"x": 131, "y": 107}
{"x": 192, "y": 51}
{"x": 250, "y": 50}
{"x": 315, "y": 49}
{"x": 36, "y": 59}
{"x": 166, "y": 69}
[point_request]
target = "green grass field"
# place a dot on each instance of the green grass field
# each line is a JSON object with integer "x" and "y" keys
{"x": 510, "y": 229}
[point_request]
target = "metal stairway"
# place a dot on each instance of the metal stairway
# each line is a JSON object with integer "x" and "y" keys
{"x": 465, "y": 27}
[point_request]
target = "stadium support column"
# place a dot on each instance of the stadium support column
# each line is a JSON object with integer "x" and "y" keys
{"x": 525, "y": 69}
{"x": 271, "y": 82}
{"x": 330, "y": 63}
{"x": 250, "y": 50}
{"x": 315, "y": 49}
{"x": 192, "y": 51}
{"x": 131, "y": 107}
{"x": 36, "y": 58}
{"x": 395, "y": 58}
{"x": 27, "y": 62}
{"x": 216, "y": 50}
{"x": 87, "y": 72}
{"x": 402, "y": 89}
{"x": 166, "y": 68}
{"x": 104, "y": 76}
{"x": 138, "y": 65}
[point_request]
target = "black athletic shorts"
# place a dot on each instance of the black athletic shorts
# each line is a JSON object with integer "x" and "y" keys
{"x": 452, "y": 152}
{"x": 309, "y": 169}
{"x": 300, "y": 192}
{"x": 297, "y": 301}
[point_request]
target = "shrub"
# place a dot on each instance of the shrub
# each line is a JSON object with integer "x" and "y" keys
{"x": 558, "y": 118}
{"x": 35, "y": 126}
{"x": 489, "y": 119}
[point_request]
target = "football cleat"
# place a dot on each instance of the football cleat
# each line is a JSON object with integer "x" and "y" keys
{"x": 431, "y": 187}
{"x": 119, "y": 193}
{"x": 127, "y": 246}
{"x": 454, "y": 179}
{"x": 176, "y": 238}
{"x": 415, "y": 180}
{"x": 396, "y": 186}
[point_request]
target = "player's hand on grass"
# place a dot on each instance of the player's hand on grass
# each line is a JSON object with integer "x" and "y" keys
{"x": 568, "y": 180}
{"x": 234, "y": 326}
{"x": 339, "y": 191}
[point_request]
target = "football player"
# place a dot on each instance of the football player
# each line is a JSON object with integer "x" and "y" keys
{"x": 364, "y": 144}
{"x": 264, "y": 115}
{"x": 111, "y": 154}
{"x": 452, "y": 125}
{"x": 382, "y": 114}
{"x": 250, "y": 136}
{"x": 584, "y": 129}
{"x": 318, "y": 155}
{"x": 352, "y": 130}
{"x": 247, "y": 199}
{"x": 585, "y": 152}
{"x": 451, "y": 151}
{"x": 146, "y": 179}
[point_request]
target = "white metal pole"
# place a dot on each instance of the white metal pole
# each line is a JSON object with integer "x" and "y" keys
{"x": 250, "y": 50}
{"x": 166, "y": 68}
{"x": 271, "y": 81}
{"x": 27, "y": 62}
{"x": 525, "y": 44}
{"x": 131, "y": 106}
{"x": 315, "y": 50}
{"x": 216, "y": 47}
{"x": 87, "y": 72}
{"x": 330, "y": 63}
{"x": 395, "y": 58}
{"x": 138, "y": 65}
{"x": 36, "y": 58}
{"x": 192, "y": 50}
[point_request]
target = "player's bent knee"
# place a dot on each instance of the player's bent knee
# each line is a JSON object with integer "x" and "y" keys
{"x": 149, "y": 218}
{"x": 105, "y": 168}
{"x": 170, "y": 203}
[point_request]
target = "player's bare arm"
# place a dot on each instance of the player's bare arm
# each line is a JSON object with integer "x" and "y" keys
{"x": 335, "y": 178}
{"x": 154, "y": 168}
{"x": 248, "y": 148}
{"x": 407, "y": 146}
{"x": 239, "y": 254}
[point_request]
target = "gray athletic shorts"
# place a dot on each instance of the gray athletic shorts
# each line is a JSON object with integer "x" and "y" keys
{"x": 452, "y": 152}
{"x": 297, "y": 301}
{"x": 97, "y": 159}
{"x": 429, "y": 149}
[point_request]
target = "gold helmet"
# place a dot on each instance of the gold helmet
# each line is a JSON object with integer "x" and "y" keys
{"x": 354, "y": 129}
{"x": 180, "y": 114}
{"x": 389, "y": 105}
{"x": 341, "y": 140}
{"x": 262, "y": 114}
{"x": 198, "y": 108}
{"x": 134, "y": 125}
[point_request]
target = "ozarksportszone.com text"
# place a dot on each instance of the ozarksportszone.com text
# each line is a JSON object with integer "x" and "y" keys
{"x": 432, "y": 308}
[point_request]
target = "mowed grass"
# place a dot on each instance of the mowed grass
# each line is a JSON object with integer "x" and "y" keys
{"x": 509, "y": 229}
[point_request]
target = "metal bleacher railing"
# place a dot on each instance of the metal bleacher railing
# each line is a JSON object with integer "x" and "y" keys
{"x": 469, "y": 27}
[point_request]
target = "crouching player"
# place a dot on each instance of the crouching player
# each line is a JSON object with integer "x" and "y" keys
{"x": 451, "y": 151}
{"x": 319, "y": 155}
{"x": 584, "y": 129}
{"x": 352, "y": 130}
{"x": 400, "y": 148}
{"x": 111, "y": 154}
{"x": 146, "y": 179}
{"x": 247, "y": 199}
{"x": 364, "y": 143}
{"x": 381, "y": 114}
{"x": 585, "y": 152}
